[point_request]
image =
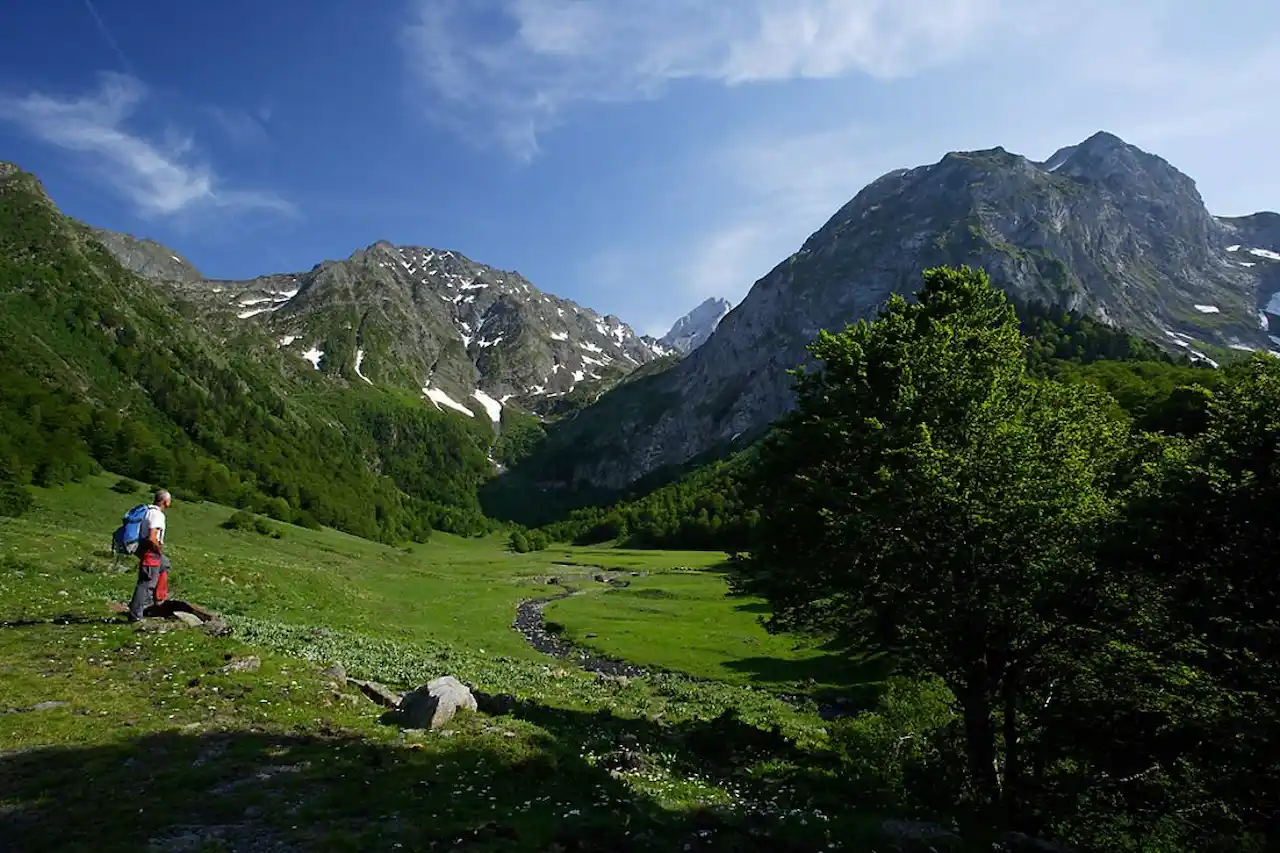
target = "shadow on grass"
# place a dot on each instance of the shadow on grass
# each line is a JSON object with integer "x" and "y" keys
{"x": 478, "y": 789}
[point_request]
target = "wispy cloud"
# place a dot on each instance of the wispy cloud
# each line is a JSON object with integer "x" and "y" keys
{"x": 243, "y": 129}
{"x": 108, "y": 37}
{"x": 511, "y": 68}
{"x": 160, "y": 177}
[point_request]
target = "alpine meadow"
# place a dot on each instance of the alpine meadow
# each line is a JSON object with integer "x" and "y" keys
{"x": 957, "y": 532}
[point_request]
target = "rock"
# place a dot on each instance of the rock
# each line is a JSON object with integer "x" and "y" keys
{"x": 918, "y": 830}
{"x": 189, "y": 619}
{"x": 336, "y": 672}
{"x": 248, "y": 664}
{"x": 217, "y": 627}
{"x": 605, "y": 678}
{"x": 46, "y": 706}
{"x": 384, "y": 696}
{"x": 435, "y": 703}
{"x": 1020, "y": 842}
{"x": 624, "y": 761}
{"x": 494, "y": 704}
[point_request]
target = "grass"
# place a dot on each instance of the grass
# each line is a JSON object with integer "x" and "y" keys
{"x": 149, "y": 742}
{"x": 685, "y": 621}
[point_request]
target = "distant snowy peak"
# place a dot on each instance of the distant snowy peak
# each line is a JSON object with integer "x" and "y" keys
{"x": 692, "y": 330}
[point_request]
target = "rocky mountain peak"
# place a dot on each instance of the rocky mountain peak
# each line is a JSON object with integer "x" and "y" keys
{"x": 468, "y": 336}
{"x": 692, "y": 330}
{"x": 1101, "y": 227}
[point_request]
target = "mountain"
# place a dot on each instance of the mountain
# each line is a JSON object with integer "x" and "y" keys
{"x": 1102, "y": 228}
{"x": 692, "y": 330}
{"x": 102, "y": 368}
{"x": 147, "y": 257}
{"x": 467, "y": 337}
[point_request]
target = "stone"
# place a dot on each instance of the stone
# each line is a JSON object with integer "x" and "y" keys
{"x": 494, "y": 704}
{"x": 1020, "y": 842}
{"x": 247, "y": 664}
{"x": 606, "y": 678}
{"x": 189, "y": 619}
{"x": 217, "y": 627}
{"x": 435, "y": 703}
{"x": 336, "y": 672}
{"x": 918, "y": 830}
{"x": 384, "y": 696}
{"x": 47, "y": 706}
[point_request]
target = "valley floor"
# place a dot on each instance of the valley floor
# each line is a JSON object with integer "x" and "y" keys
{"x": 115, "y": 738}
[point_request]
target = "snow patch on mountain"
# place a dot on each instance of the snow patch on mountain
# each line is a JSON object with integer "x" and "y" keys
{"x": 491, "y": 406}
{"x": 441, "y": 399}
{"x": 693, "y": 329}
{"x": 359, "y": 361}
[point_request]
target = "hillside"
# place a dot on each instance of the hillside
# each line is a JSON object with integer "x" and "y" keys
{"x": 1101, "y": 228}
{"x": 257, "y": 741}
{"x": 432, "y": 322}
{"x": 101, "y": 368}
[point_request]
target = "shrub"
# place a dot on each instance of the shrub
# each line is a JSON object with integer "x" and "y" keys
{"x": 905, "y": 744}
{"x": 14, "y": 499}
{"x": 247, "y": 522}
{"x": 126, "y": 486}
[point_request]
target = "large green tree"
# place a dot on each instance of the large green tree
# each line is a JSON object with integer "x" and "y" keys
{"x": 930, "y": 496}
{"x": 1204, "y": 538}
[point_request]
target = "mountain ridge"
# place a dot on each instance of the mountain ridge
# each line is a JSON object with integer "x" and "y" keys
{"x": 692, "y": 330}
{"x": 1101, "y": 227}
{"x": 466, "y": 336}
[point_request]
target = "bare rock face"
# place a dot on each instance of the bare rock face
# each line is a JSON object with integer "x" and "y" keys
{"x": 435, "y": 703}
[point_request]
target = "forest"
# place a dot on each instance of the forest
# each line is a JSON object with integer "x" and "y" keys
{"x": 101, "y": 370}
{"x": 1096, "y": 598}
{"x": 707, "y": 507}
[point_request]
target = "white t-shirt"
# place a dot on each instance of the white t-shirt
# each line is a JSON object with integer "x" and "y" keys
{"x": 153, "y": 521}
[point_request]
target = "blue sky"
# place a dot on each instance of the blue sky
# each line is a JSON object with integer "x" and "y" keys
{"x": 637, "y": 156}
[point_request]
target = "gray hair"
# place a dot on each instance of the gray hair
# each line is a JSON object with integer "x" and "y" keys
{"x": 163, "y": 495}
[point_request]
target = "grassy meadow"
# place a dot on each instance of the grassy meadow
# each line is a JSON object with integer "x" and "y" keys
{"x": 114, "y": 738}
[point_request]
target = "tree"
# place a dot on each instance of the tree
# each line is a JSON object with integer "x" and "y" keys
{"x": 1204, "y": 537}
{"x": 928, "y": 495}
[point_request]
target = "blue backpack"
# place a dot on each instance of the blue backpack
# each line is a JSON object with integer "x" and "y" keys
{"x": 125, "y": 539}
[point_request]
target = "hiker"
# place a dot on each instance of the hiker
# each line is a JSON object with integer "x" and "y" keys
{"x": 153, "y": 563}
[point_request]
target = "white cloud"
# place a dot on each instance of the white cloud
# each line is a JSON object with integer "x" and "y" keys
{"x": 244, "y": 130}
{"x": 159, "y": 177}
{"x": 516, "y": 82}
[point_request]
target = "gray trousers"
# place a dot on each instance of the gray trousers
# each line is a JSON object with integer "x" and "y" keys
{"x": 144, "y": 592}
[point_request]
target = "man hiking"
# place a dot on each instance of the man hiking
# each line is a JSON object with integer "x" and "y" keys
{"x": 153, "y": 563}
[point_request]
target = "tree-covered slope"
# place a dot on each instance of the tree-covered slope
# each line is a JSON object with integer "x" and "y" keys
{"x": 700, "y": 505}
{"x": 99, "y": 368}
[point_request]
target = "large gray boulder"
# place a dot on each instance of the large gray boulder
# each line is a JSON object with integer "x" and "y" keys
{"x": 435, "y": 703}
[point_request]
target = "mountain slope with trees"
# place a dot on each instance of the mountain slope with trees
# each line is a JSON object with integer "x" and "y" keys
{"x": 101, "y": 368}
{"x": 1096, "y": 598}
{"x": 1102, "y": 228}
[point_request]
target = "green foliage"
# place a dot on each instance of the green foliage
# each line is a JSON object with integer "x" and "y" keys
{"x": 125, "y": 486}
{"x": 1202, "y": 530}
{"x": 904, "y": 746}
{"x": 707, "y": 509}
{"x": 523, "y": 541}
{"x": 521, "y": 435}
{"x": 931, "y": 495}
{"x": 100, "y": 369}
{"x": 14, "y": 499}
{"x": 247, "y": 522}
